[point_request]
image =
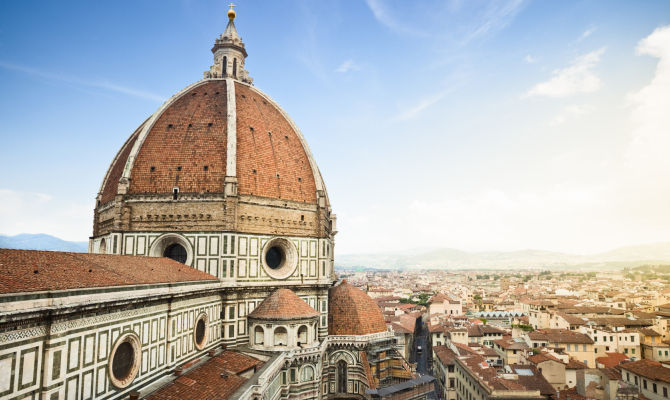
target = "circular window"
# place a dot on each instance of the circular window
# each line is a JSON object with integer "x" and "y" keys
{"x": 280, "y": 258}
{"x": 275, "y": 257}
{"x": 176, "y": 252}
{"x": 173, "y": 246}
{"x": 200, "y": 331}
{"x": 125, "y": 360}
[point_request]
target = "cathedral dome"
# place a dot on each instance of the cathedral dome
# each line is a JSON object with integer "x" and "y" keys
{"x": 219, "y": 155}
{"x": 352, "y": 312}
{"x": 283, "y": 304}
{"x": 213, "y": 130}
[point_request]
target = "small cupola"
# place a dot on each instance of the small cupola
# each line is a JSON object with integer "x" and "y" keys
{"x": 229, "y": 54}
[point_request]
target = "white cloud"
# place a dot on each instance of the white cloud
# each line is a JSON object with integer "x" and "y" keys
{"x": 579, "y": 77}
{"x": 31, "y": 212}
{"x": 488, "y": 219}
{"x": 348, "y": 65}
{"x": 647, "y": 156}
{"x": 530, "y": 59}
{"x": 572, "y": 111}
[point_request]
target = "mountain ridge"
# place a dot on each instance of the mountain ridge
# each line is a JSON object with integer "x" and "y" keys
{"x": 449, "y": 258}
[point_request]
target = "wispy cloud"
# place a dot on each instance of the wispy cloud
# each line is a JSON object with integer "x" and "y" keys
{"x": 579, "y": 77}
{"x": 421, "y": 105}
{"x": 497, "y": 16}
{"x": 384, "y": 17}
{"x": 586, "y": 33}
{"x": 100, "y": 84}
{"x": 348, "y": 65}
{"x": 530, "y": 59}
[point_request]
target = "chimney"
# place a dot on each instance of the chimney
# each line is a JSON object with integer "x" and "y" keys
{"x": 134, "y": 395}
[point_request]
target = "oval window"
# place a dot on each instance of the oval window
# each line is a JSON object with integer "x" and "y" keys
{"x": 176, "y": 252}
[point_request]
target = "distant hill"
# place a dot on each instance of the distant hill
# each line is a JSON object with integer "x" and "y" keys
{"x": 455, "y": 259}
{"x": 41, "y": 241}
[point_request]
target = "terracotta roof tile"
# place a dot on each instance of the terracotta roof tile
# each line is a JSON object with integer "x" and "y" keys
{"x": 649, "y": 369}
{"x": 182, "y": 142}
{"x": 283, "y": 304}
{"x": 31, "y": 270}
{"x": 268, "y": 145}
{"x": 218, "y": 378}
{"x": 352, "y": 312}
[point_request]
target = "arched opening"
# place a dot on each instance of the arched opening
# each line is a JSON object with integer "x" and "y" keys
{"x": 234, "y": 67}
{"x": 280, "y": 336}
{"x": 103, "y": 247}
{"x": 259, "y": 335}
{"x": 224, "y": 66}
{"x": 307, "y": 374}
{"x": 341, "y": 376}
{"x": 302, "y": 335}
{"x": 176, "y": 252}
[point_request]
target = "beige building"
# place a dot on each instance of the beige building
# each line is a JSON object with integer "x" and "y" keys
{"x": 651, "y": 378}
{"x": 551, "y": 368}
{"x": 577, "y": 345}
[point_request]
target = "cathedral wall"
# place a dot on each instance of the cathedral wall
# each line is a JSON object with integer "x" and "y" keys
{"x": 69, "y": 357}
{"x": 233, "y": 258}
{"x": 356, "y": 379}
{"x": 208, "y": 212}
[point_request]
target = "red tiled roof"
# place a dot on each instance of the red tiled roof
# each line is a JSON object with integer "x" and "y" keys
{"x": 191, "y": 133}
{"x": 560, "y": 336}
{"x": 649, "y": 369}
{"x": 612, "y": 359}
{"x": 218, "y": 378}
{"x": 574, "y": 364}
{"x": 283, "y": 304}
{"x": 352, "y": 312}
{"x": 182, "y": 138}
{"x": 31, "y": 271}
{"x": 282, "y": 167}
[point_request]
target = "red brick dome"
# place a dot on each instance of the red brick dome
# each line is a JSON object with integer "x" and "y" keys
{"x": 283, "y": 304}
{"x": 352, "y": 312}
{"x": 208, "y": 133}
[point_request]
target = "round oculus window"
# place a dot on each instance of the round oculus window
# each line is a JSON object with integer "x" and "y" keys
{"x": 125, "y": 360}
{"x": 200, "y": 331}
{"x": 280, "y": 258}
{"x": 122, "y": 364}
{"x": 176, "y": 252}
{"x": 275, "y": 257}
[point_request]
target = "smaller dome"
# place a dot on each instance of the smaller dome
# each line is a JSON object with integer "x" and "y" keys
{"x": 283, "y": 304}
{"x": 352, "y": 312}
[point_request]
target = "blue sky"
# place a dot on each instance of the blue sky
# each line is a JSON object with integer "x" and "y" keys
{"x": 492, "y": 125}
